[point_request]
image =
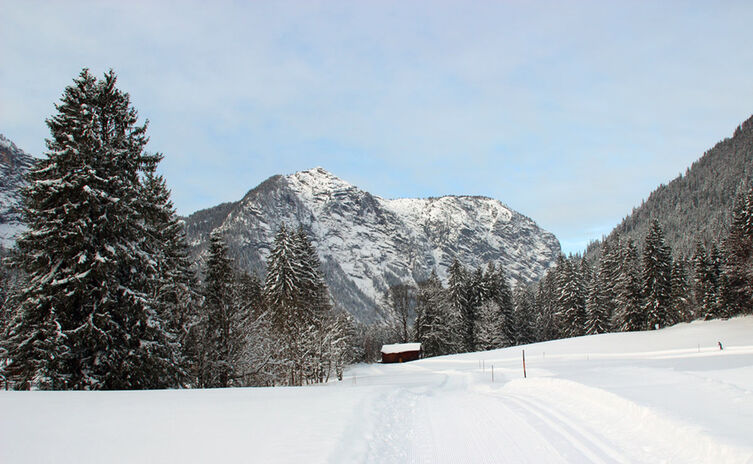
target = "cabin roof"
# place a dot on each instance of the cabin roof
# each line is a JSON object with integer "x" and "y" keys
{"x": 401, "y": 348}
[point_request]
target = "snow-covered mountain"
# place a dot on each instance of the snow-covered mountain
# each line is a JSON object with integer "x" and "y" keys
{"x": 14, "y": 163}
{"x": 367, "y": 243}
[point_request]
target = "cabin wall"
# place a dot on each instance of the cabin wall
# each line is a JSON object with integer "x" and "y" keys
{"x": 400, "y": 357}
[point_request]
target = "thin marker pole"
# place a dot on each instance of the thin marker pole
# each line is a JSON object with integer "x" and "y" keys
{"x": 524, "y": 364}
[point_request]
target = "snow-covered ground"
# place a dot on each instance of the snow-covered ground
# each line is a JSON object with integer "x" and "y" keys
{"x": 663, "y": 396}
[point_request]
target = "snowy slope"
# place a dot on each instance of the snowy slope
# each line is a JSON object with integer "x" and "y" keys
{"x": 667, "y": 396}
{"x": 14, "y": 163}
{"x": 367, "y": 243}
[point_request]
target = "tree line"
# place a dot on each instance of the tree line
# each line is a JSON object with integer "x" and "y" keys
{"x": 100, "y": 292}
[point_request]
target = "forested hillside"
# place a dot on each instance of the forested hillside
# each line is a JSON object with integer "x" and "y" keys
{"x": 697, "y": 205}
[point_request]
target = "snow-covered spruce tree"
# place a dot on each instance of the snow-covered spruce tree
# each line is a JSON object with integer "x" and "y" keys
{"x": 438, "y": 325}
{"x": 6, "y": 309}
{"x": 255, "y": 365}
{"x": 701, "y": 280}
{"x": 657, "y": 278}
{"x": 571, "y": 300}
{"x": 610, "y": 269}
{"x": 218, "y": 337}
{"x": 681, "y": 298}
{"x": 5, "y": 296}
{"x": 300, "y": 309}
{"x": 547, "y": 327}
{"x": 524, "y": 315}
{"x": 313, "y": 289}
{"x": 498, "y": 291}
{"x": 597, "y": 312}
{"x": 708, "y": 266}
{"x": 283, "y": 299}
{"x": 630, "y": 315}
{"x": 322, "y": 322}
{"x": 738, "y": 249}
{"x": 461, "y": 302}
{"x": 87, "y": 320}
{"x": 174, "y": 291}
{"x": 488, "y": 331}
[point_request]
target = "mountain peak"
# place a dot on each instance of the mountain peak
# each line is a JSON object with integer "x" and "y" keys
{"x": 318, "y": 181}
{"x": 367, "y": 243}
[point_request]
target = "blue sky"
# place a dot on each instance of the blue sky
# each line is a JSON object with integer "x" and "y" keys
{"x": 569, "y": 112}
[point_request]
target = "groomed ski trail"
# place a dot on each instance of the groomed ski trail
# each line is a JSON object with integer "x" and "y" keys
{"x": 450, "y": 421}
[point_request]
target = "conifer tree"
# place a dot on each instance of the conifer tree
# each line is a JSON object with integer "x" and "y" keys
{"x": 499, "y": 292}
{"x": 681, "y": 298}
{"x": 657, "y": 278}
{"x": 597, "y": 318}
{"x": 461, "y": 300}
{"x": 570, "y": 300}
{"x": 437, "y": 324}
{"x": 524, "y": 315}
{"x": 701, "y": 280}
{"x": 547, "y": 327}
{"x": 174, "y": 288}
{"x": 739, "y": 255}
{"x": 610, "y": 269}
{"x": 220, "y": 336}
{"x": 87, "y": 319}
{"x": 312, "y": 288}
{"x": 487, "y": 331}
{"x": 299, "y": 305}
{"x": 630, "y": 315}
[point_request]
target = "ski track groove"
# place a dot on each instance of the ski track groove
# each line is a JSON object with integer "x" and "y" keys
{"x": 440, "y": 423}
{"x": 589, "y": 444}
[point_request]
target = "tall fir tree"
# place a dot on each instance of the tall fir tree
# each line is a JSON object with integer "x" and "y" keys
{"x": 487, "y": 332}
{"x": 597, "y": 316}
{"x": 299, "y": 305}
{"x": 220, "y": 335}
{"x": 462, "y": 302}
{"x": 610, "y": 269}
{"x": 738, "y": 248}
{"x": 499, "y": 292}
{"x": 547, "y": 327}
{"x": 174, "y": 291}
{"x": 681, "y": 293}
{"x": 87, "y": 318}
{"x": 630, "y": 315}
{"x": 524, "y": 315}
{"x": 702, "y": 285}
{"x": 437, "y": 324}
{"x": 657, "y": 279}
{"x": 571, "y": 300}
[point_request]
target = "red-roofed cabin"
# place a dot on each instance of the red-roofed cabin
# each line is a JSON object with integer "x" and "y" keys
{"x": 401, "y": 352}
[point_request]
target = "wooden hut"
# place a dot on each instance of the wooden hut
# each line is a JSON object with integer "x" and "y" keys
{"x": 401, "y": 352}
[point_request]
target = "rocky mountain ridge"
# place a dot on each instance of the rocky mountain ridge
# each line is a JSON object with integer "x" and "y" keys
{"x": 367, "y": 243}
{"x": 14, "y": 164}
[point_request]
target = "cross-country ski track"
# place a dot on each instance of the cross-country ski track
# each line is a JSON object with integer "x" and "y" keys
{"x": 667, "y": 396}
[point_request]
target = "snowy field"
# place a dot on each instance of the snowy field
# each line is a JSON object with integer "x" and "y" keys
{"x": 664, "y": 396}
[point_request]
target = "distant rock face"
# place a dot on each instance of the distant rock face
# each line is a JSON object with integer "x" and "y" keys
{"x": 14, "y": 164}
{"x": 367, "y": 243}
